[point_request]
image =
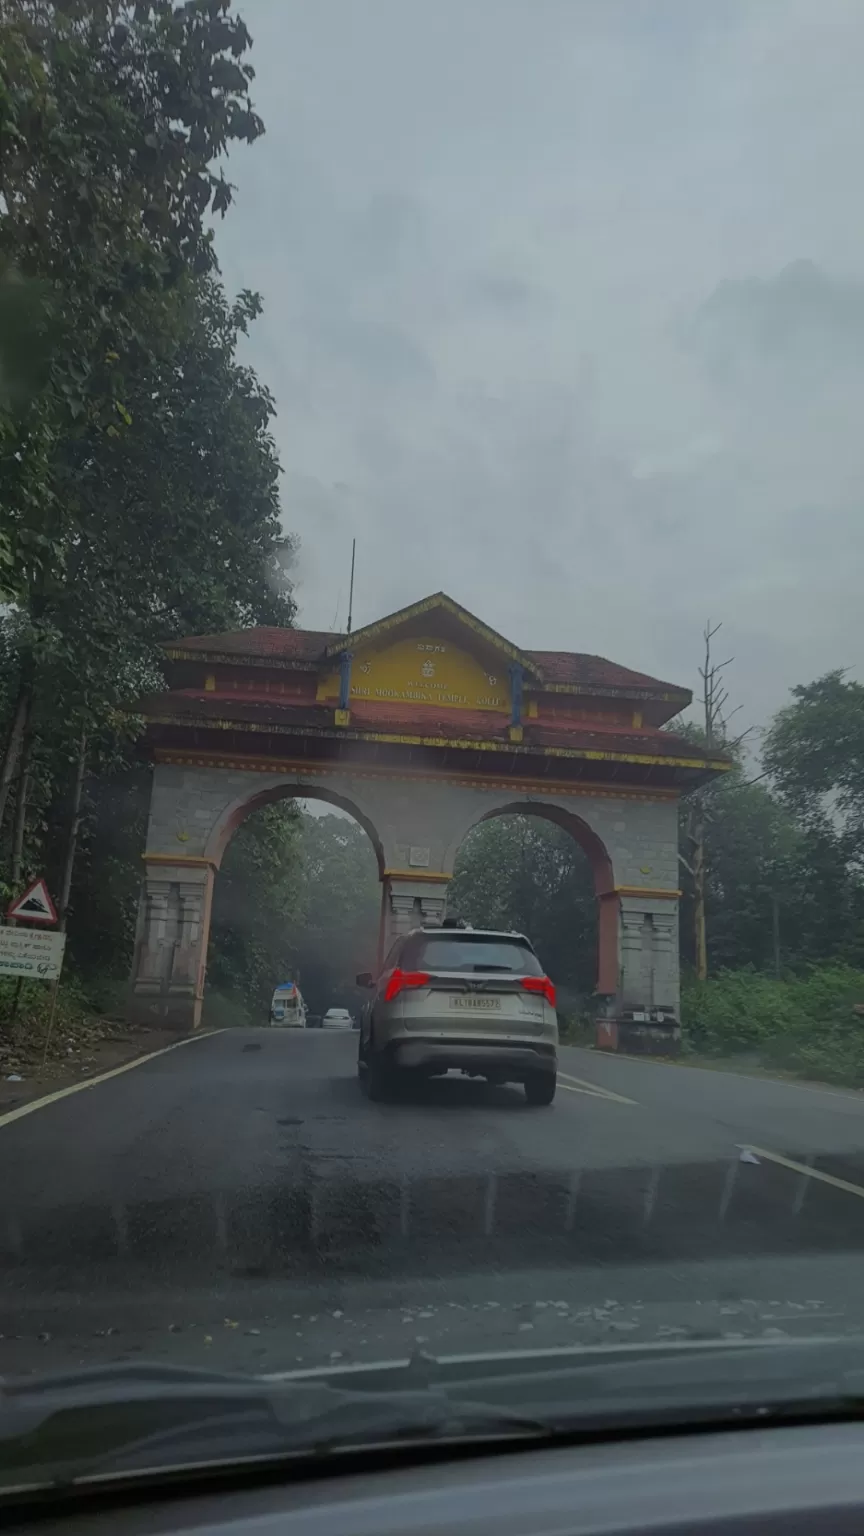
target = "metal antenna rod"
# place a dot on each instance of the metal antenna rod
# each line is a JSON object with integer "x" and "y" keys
{"x": 351, "y": 588}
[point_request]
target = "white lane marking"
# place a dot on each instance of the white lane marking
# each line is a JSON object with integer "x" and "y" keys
{"x": 811, "y": 1173}
{"x": 566, "y": 1079}
{"x": 569, "y": 1088}
{"x": 102, "y": 1077}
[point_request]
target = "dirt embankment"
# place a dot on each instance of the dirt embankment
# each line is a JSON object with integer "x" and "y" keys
{"x": 78, "y": 1049}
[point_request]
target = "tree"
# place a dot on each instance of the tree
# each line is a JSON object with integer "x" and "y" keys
{"x": 138, "y": 477}
{"x": 257, "y": 902}
{"x": 297, "y": 896}
{"x": 112, "y": 114}
{"x": 712, "y": 736}
{"x": 341, "y": 911}
{"x": 525, "y": 873}
{"x": 814, "y": 753}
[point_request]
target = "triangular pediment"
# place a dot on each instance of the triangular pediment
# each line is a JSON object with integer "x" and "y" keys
{"x": 433, "y": 654}
{"x": 436, "y": 615}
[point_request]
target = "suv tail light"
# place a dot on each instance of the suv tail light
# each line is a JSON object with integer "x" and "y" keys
{"x": 540, "y": 984}
{"x": 401, "y": 981}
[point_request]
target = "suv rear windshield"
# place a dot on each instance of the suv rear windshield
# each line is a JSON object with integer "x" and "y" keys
{"x": 469, "y": 952}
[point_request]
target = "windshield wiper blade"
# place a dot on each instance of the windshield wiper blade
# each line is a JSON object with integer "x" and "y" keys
{"x": 68, "y": 1429}
{"x": 147, "y": 1420}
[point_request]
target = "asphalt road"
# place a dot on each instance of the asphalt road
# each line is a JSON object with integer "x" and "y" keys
{"x": 237, "y": 1202}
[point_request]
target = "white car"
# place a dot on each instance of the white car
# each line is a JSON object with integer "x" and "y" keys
{"x": 337, "y": 1018}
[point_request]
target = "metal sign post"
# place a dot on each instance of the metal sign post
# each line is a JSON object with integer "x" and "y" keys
{"x": 29, "y": 954}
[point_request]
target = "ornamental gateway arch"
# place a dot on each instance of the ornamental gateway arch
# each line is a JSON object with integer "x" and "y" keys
{"x": 420, "y": 725}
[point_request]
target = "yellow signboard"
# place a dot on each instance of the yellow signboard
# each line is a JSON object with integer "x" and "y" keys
{"x": 424, "y": 671}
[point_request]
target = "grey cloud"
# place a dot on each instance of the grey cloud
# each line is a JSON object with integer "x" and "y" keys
{"x": 387, "y": 232}
{"x": 381, "y": 354}
{"x": 563, "y": 315}
{"x": 499, "y": 291}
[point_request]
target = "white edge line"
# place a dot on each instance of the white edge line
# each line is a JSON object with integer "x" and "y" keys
{"x": 565, "y": 1078}
{"x": 812, "y": 1173}
{"x": 101, "y": 1077}
{"x": 588, "y": 1092}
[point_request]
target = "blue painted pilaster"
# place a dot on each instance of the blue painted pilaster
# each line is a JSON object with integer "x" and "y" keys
{"x": 515, "y": 693}
{"x": 345, "y": 679}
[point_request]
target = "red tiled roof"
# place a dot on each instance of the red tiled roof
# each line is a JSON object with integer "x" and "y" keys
{"x": 573, "y": 667}
{"x": 414, "y": 720}
{"x": 262, "y": 640}
{"x": 586, "y": 671}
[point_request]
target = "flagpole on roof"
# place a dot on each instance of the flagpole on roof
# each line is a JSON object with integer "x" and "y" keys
{"x": 351, "y": 588}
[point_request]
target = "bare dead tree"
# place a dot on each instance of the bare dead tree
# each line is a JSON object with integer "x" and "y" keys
{"x": 715, "y": 698}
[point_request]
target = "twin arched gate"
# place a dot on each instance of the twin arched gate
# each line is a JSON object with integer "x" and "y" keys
{"x": 416, "y": 826}
{"x": 420, "y": 725}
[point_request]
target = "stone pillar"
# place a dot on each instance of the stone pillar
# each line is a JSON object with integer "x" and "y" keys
{"x": 608, "y": 929}
{"x": 649, "y": 955}
{"x": 409, "y": 901}
{"x": 167, "y": 985}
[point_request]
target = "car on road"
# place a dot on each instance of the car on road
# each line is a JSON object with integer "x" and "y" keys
{"x": 452, "y": 997}
{"x": 287, "y": 1008}
{"x": 337, "y": 1018}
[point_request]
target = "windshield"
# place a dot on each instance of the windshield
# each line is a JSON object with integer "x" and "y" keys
{"x": 470, "y": 952}
{"x": 431, "y": 698}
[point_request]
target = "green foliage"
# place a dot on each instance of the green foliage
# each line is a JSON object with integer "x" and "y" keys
{"x": 297, "y": 896}
{"x": 341, "y": 909}
{"x": 256, "y": 910}
{"x": 104, "y": 903}
{"x": 761, "y": 850}
{"x": 815, "y": 755}
{"x": 807, "y": 1024}
{"x": 79, "y": 1023}
{"x": 526, "y": 874}
{"x": 138, "y": 476}
{"x": 112, "y": 115}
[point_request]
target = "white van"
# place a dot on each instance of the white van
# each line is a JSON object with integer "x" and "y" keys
{"x": 287, "y": 1008}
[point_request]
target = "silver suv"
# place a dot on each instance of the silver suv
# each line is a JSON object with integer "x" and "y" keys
{"x": 466, "y": 998}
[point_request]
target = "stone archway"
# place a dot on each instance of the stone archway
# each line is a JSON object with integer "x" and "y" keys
{"x": 234, "y": 814}
{"x": 177, "y": 899}
{"x": 586, "y": 838}
{"x": 420, "y": 725}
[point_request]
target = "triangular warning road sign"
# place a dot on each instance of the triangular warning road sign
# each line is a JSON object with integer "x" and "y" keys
{"x": 35, "y": 906}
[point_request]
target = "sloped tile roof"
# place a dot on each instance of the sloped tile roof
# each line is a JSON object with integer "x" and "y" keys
{"x": 413, "y": 720}
{"x": 570, "y": 667}
{"x": 581, "y": 670}
{"x": 262, "y": 640}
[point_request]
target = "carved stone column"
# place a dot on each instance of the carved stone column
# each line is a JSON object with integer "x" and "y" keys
{"x": 167, "y": 985}
{"x": 411, "y": 902}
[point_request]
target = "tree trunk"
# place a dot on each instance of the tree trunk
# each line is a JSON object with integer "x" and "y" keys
{"x": 699, "y": 899}
{"x": 17, "y": 732}
{"x": 20, "y": 823}
{"x": 72, "y": 840}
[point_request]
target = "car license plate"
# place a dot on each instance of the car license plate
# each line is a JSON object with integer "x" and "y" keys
{"x": 467, "y": 1001}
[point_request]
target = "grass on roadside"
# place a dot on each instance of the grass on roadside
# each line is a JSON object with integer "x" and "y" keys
{"x": 82, "y": 1018}
{"x": 806, "y": 1025}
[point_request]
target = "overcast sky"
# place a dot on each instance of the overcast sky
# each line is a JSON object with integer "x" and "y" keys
{"x": 564, "y": 315}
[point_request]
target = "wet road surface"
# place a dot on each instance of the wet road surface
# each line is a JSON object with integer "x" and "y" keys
{"x": 237, "y": 1202}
